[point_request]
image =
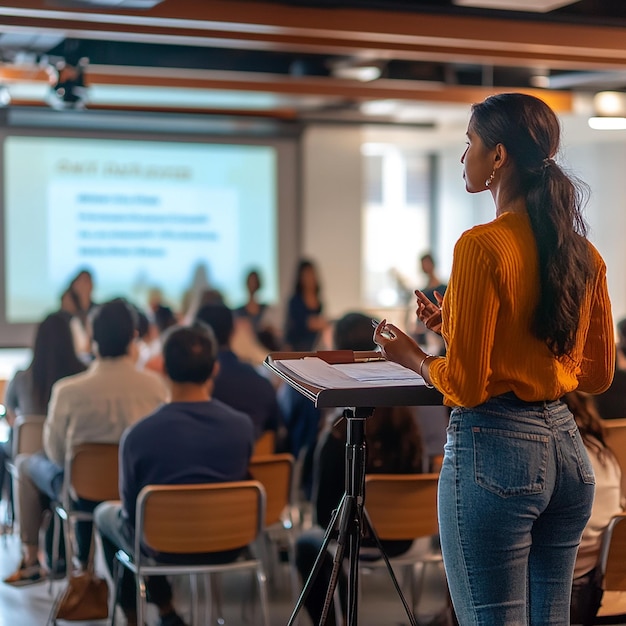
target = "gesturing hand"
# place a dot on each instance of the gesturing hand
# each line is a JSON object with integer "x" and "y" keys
{"x": 429, "y": 313}
{"x": 397, "y": 346}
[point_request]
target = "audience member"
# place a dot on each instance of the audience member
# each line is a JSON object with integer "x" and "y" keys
{"x": 90, "y": 407}
{"x": 393, "y": 445}
{"x": 193, "y": 439}
{"x": 612, "y": 403}
{"x": 238, "y": 384}
{"x": 607, "y": 502}
{"x": 70, "y": 309}
{"x": 164, "y": 318}
{"x": 258, "y": 313}
{"x": 82, "y": 288}
{"x": 305, "y": 321}
{"x": 28, "y": 392}
{"x": 301, "y": 417}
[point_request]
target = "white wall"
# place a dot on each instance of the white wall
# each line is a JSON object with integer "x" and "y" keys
{"x": 331, "y": 212}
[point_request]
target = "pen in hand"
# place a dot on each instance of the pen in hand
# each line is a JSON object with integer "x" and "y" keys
{"x": 386, "y": 333}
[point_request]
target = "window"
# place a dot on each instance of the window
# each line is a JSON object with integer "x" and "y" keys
{"x": 396, "y": 222}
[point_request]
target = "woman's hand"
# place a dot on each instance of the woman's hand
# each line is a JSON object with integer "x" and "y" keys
{"x": 397, "y": 346}
{"x": 429, "y": 313}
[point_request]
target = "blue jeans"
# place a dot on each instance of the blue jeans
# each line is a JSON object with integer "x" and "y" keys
{"x": 515, "y": 493}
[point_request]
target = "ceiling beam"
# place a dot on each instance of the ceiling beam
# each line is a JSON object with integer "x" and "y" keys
{"x": 278, "y": 84}
{"x": 369, "y": 33}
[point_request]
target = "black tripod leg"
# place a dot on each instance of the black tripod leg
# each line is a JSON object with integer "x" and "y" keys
{"x": 318, "y": 561}
{"x": 345, "y": 522}
{"x": 353, "y": 576}
{"x": 379, "y": 545}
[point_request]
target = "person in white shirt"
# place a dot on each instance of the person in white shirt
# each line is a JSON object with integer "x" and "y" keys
{"x": 607, "y": 502}
{"x": 95, "y": 406}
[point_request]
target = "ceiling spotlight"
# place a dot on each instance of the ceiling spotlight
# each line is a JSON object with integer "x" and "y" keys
{"x": 353, "y": 69}
{"x": 610, "y": 111}
{"x": 68, "y": 85}
{"x": 5, "y": 96}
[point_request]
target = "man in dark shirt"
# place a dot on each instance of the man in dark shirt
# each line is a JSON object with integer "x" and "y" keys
{"x": 193, "y": 439}
{"x": 238, "y": 384}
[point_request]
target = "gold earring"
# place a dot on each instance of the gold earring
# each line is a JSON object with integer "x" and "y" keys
{"x": 490, "y": 179}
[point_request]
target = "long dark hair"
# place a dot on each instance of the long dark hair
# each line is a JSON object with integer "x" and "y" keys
{"x": 393, "y": 441}
{"x": 54, "y": 356}
{"x": 305, "y": 264}
{"x": 530, "y": 132}
{"x": 589, "y": 423}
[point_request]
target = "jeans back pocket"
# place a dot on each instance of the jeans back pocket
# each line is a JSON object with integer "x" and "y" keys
{"x": 510, "y": 463}
{"x": 584, "y": 464}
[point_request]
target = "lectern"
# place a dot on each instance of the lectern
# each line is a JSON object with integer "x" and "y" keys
{"x": 359, "y": 382}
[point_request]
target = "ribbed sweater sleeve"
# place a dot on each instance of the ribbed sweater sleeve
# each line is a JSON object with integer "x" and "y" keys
{"x": 462, "y": 376}
{"x": 598, "y": 361}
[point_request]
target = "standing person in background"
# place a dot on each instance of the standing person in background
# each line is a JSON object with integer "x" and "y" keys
{"x": 607, "y": 502}
{"x": 305, "y": 321}
{"x": 258, "y": 313}
{"x": 434, "y": 290}
{"x": 434, "y": 284}
{"x": 526, "y": 318}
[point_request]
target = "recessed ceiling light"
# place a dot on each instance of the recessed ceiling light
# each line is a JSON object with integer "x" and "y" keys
{"x": 533, "y": 6}
{"x": 607, "y": 123}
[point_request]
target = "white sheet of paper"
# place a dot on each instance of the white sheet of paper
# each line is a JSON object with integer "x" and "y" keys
{"x": 349, "y": 375}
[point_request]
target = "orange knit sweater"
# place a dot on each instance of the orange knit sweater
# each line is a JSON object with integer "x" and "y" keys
{"x": 486, "y": 320}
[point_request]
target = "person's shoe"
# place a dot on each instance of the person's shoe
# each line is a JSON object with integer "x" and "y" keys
{"x": 171, "y": 619}
{"x": 26, "y": 575}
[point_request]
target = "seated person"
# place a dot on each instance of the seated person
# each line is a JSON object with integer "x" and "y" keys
{"x": 90, "y": 407}
{"x": 238, "y": 384}
{"x": 611, "y": 404}
{"x": 193, "y": 439}
{"x": 28, "y": 392}
{"x": 607, "y": 502}
{"x": 393, "y": 447}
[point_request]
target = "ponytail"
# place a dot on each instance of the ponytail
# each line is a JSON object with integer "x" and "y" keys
{"x": 554, "y": 201}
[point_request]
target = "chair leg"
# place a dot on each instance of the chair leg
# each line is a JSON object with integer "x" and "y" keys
{"x": 117, "y": 579}
{"x": 193, "y": 592}
{"x": 217, "y": 613}
{"x": 56, "y": 540}
{"x": 264, "y": 601}
{"x": 293, "y": 571}
{"x": 140, "y": 598}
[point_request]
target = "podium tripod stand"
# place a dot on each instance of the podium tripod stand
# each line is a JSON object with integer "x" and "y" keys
{"x": 313, "y": 375}
{"x": 349, "y": 519}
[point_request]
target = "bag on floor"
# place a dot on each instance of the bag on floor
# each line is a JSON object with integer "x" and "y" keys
{"x": 85, "y": 598}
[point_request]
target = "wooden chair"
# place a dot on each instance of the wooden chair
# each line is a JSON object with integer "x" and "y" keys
{"x": 195, "y": 519}
{"x": 91, "y": 473}
{"x": 275, "y": 473}
{"x": 616, "y": 439}
{"x": 613, "y": 572}
{"x": 265, "y": 444}
{"x": 403, "y": 507}
{"x": 27, "y": 439}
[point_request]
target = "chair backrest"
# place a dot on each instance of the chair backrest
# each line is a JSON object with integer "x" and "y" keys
{"x": 94, "y": 471}
{"x": 192, "y": 519}
{"x": 616, "y": 440}
{"x": 265, "y": 444}
{"x": 274, "y": 472}
{"x": 613, "y": 555}
{"x": 402, "y": 506}
{"x": 28, "y": 434}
